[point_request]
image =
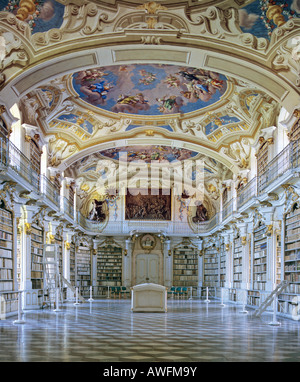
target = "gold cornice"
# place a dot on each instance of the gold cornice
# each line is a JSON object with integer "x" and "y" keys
{"x": 124, "y": 38}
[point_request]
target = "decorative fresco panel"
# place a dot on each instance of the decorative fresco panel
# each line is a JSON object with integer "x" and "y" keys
{"x": 220, "y": 121}
{"x": 149, "y": 89}
{"x": 78, "y": 119}
{"x": 149, "y": 153}
{"x": 41, "y": 15}
{"x": 261, "y": 17}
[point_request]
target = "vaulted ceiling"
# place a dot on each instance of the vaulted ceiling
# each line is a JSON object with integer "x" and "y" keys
{"x": 204, "y": 77}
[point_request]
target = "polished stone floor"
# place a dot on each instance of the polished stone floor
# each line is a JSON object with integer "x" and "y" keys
{"x": 107, "y": 331}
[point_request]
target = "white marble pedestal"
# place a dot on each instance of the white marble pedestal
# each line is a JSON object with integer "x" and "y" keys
{"x": 149, "y": 298}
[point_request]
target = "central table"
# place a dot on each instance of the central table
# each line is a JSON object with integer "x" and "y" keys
{"x": 149, "y": 297}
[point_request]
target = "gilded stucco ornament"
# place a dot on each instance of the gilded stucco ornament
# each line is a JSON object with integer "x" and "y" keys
{"x": 14, "y": 55}
{"x": 152, "y": 7}
{"x": 239, "y": 152}
{"x": 67, "y": 245}
{"x": 27, "y": 228}
{"x": 244, "y": 240}
{"x": 59, "y": 150}
{"x": 292, "y": 197}
{"x": 8, "y": 194}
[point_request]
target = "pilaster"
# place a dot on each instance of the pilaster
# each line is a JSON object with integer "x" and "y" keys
{"x": 168, "y": 262}
{"x": 30, "y": 296}
{"x": 127, "y": 260}
{"x": 94, "y": 263}
{"x": 245, "y": 238}
{"x": 268, "y": 214}
{"x": 199, "y": 244}
{"x": 229, "y": 260}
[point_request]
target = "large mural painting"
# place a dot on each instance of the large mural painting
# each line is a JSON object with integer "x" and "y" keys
{"x": 148, "y": 204}
{"x": 147, "y": 89}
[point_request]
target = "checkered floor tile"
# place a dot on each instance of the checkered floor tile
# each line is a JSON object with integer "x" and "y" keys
{"x": 107, "y": 331}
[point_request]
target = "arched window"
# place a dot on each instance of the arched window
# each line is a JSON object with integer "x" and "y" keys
{"x": 225, "y": 196}
{"x": 35, "y": 156}
{"x": 262, "y": 164}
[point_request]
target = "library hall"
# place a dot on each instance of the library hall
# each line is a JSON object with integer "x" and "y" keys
{"x": 149, "y": 183}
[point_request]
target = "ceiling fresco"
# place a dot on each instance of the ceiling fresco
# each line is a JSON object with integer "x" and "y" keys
{"x": 150, "y": 103}
{"x": 149, "y": 89}
{"x": 80, "y": 120}
{"x": 41, "y": 15}
{"x": 261, "y": 17}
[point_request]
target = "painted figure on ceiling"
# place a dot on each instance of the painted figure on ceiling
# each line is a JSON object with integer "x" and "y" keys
{"x": 148, "y": 77}
{"x": 100, "y": 88}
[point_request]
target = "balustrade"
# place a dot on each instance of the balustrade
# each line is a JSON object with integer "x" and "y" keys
{"x": 287, "y": 159}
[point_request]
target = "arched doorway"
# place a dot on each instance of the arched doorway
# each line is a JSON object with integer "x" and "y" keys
{"x": 147, "y": 268}
{"x": 147, "y": 260}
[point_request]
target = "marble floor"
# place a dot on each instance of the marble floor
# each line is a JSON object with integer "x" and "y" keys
{"x": 107, "y": 331}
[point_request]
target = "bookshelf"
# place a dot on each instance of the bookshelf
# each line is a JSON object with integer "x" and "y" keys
{"x": 59, "y": 242}
{"x": 72, "y": 264}
{"x": 211, "y": 267}
{"x": 19, "y": 261}
{"x": 185, "y": 266}
{"x": 3, "y": 130}
{"x": 84, "y": 269}
{"x": 292, "y": 249}
{"x": 35, "y": 156}
{"x": 232, "y": 295}
{"x": 222, "y": 265}
{"x": 109, "y": 266}
{"x": 253, "y": 298}
{"x": 262, "y": 163}
{"x": 260, "y": 258}
{"x": 278, "y": 259}
{"x": 237, "y": 263}
{"x": 291, "y": 260}
{"x": 295, "y": 143}
{"x": 37, "y": 241}
{"x": 6, "y": 250}
{"x": 262, "y": 157}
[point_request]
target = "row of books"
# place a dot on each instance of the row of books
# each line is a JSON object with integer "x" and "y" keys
{"x": 5, "y": 253}
{"x": 6, "y": 285}
{"x": 293, "y": 226}
{"x": 293, "y": 218}
{"x": 259, "y": 255}
{"x": 295, "y": 245}
{"x": 260, "y": 268}
{"x": 6, "y": 244}
{"x": 5, "y": 263}
{"x": 5, "y": 235}
{"x": 6, "y": 228}
{"x": 6, "y": 274}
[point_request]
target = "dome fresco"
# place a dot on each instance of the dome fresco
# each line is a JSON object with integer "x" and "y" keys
{"x": 149, "y": 89}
